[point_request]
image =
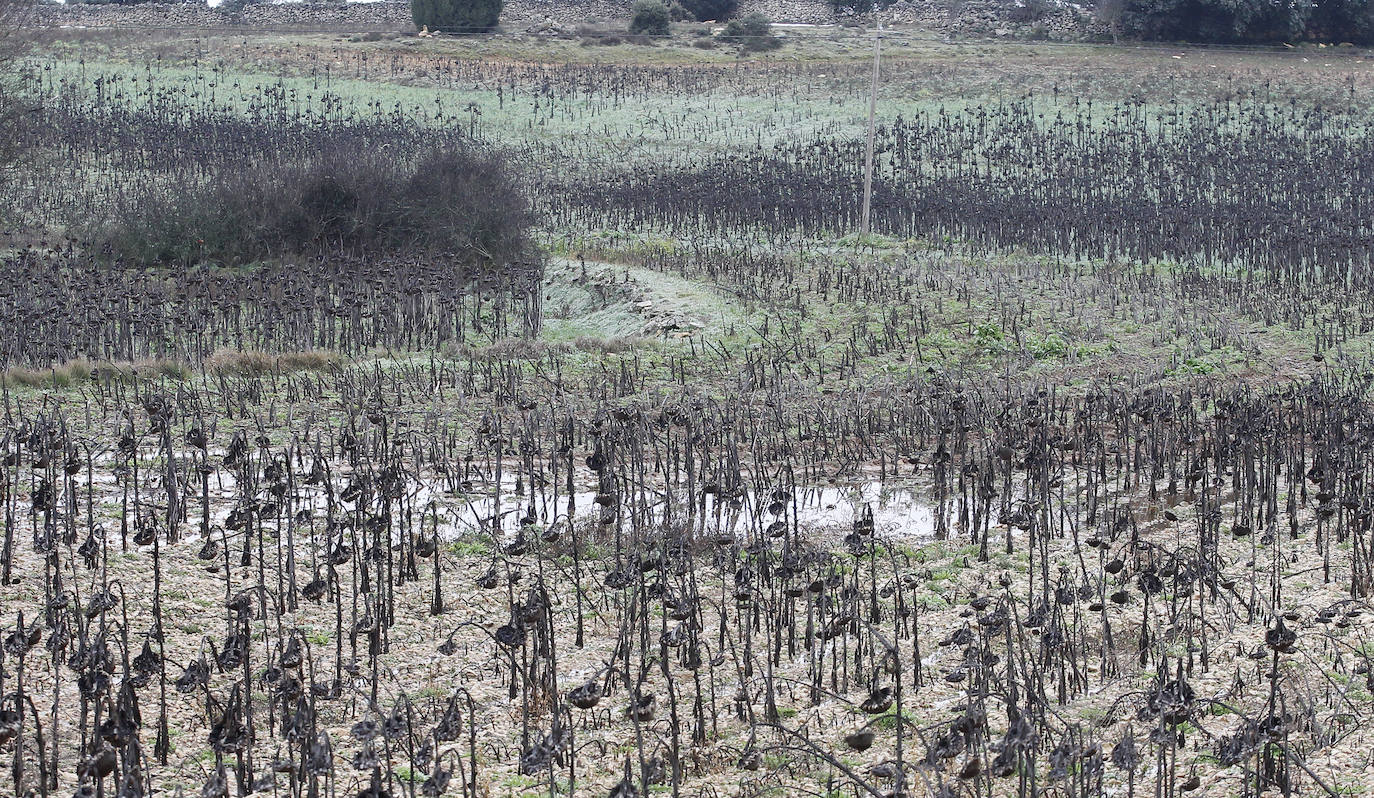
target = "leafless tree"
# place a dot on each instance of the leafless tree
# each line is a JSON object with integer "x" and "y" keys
{"x": 1110, "y": 13}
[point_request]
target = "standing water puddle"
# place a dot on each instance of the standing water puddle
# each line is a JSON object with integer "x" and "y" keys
{"x": 900, "y": 510}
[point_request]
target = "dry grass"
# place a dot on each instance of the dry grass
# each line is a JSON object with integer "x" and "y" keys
{"x": 528, "y": 349}
{"x": 79, "y": 370}
{"x": 504, "y": 349}
{"x": 255, "y": 363}
{"x": 612, "y": 345}
{"x": 224, "y": 361}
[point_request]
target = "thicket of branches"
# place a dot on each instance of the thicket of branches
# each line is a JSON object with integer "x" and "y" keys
{"x": 457, "y": 202}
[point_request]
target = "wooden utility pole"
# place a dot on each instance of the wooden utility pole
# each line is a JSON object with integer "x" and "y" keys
{"x": 872, "y": 111}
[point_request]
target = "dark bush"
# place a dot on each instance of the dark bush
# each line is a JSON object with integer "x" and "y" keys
{"x": 1249, "y": 21}
{"x": 752, "y": 32}
{"x": 456, "y": 16}
{"x": 1225, "y": 21}
{"x": 679, "y": 12}
{"x": 1342, "y": 21}
{"x": 650, "y": 18}
{"x": 457, "y": 203}
{"x": 703, "y": 10}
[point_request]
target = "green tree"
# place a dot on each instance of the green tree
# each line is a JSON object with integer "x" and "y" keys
{"x": 752, "y": 32}
{"x": 705, "y": 10}
{"x": 456, "y": 16}
{"x": 1223, "y": 21}
{"x": 650, "y": 18}
{"x": 1342, "y": 21}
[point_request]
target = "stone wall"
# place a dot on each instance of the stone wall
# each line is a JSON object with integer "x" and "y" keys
{"x": 387, "y": 16}
{"x": 965, "y": 17}
{"x": 562, "y": 12}
{"x": 1055, "y": 19}
{"x": 808, "y": 12}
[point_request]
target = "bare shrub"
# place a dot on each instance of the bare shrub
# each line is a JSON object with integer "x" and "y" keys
{"x": 457, "y": 203}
